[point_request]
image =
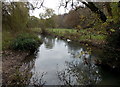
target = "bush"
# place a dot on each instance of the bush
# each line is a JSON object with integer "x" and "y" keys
{"x": 26, "y": 42}
{"x": 114, "y": 39}
{"x": 111, "y": 53}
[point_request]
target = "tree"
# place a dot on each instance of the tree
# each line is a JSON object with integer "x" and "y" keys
{"x": 96, "y": 10}
{"x": 108, "y": 8}
{"x": 15, "y": 15}
{"x": 49, "y": 13}
{"x": 34, "y": 22}
{"x": 90, "y": 5}
{"x": 71, "y": 20}
{"x": 47, "y": 18}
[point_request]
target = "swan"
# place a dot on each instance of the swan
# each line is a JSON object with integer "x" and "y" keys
{"x": 68, "y": 40}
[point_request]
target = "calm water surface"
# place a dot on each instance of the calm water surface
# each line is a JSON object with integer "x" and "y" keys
{"x": 60, "y": 62}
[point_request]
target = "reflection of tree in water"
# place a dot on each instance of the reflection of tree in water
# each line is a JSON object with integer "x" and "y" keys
{"x": 74, "y": 49}
{"x": 38, "y": 82}
{"x": 49, "y": 42}
{"x": 73, "y": 46}
{"x": 31, "y": 77}
{"x": 23, "y": 73}
{"x": 80, "y": 73}
{"x": 27, "y": 66}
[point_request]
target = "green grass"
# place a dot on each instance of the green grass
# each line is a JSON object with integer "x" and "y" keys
{"x": 99, "y": 37}
{"x": 82, "y": 35}
{"x": 92, "y": 37}
{"x": 36, "y": 30}
{"x": 7, "y": 37}
{"x": 59, "y": 30}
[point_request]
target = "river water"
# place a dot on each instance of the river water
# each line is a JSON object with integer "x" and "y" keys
{"x": 61, "y": 62}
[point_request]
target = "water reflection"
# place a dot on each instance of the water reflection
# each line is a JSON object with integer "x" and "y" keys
{"x": 78, "y": 72}
{"x": 49, "y": 42}
{"x": 23, "y": 74}
{"x": 59, "y": 62}
{"x": 56, "y": 55}
{"x": 31, "y": 78}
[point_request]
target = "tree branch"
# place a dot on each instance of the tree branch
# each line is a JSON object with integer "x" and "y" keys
{"x": 96, "y": 10}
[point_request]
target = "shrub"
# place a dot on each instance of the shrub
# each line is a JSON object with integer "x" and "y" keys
{"x": 26, "y": 42}
{"x": 111, "y": 53}
{"x": 114, "y": 39}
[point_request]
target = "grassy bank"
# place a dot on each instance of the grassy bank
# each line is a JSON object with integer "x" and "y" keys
{"x": 36, "y": 30}
{"x": 93, "y": 38}
{"x": 84, "y": 36}
{"x": 8, "y": 37}
{"x": 16, "y": 47}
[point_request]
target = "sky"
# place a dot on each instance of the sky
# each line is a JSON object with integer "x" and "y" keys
{"x": 53, "y": 4}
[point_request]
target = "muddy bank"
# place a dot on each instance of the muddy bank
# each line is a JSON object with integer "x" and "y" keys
{"x": 11, "y": 60}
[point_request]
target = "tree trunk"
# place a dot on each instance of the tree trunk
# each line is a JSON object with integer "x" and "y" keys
{"x": 96, "y": 10}
{"x": 108, "y": 8}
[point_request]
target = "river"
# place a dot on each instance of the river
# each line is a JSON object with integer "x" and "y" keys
{"x": 61, "y": 62}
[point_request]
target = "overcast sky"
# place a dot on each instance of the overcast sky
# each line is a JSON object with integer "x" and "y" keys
{"x": 54, "y": 4}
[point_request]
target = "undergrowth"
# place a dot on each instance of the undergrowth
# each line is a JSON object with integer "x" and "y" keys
{"x": 26, "y": 42}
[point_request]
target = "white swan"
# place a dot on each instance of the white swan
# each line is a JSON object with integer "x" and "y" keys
{"x": 68, "y": 40}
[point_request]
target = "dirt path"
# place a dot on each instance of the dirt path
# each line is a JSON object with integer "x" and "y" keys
{"x": 10, "y": 62}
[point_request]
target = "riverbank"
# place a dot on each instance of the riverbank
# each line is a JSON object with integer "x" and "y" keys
{"x": 93, "y": 39}
{"x": 11, "y": 61}
{"x": 87, "y": 37}
{"x": 16, "y": 47}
